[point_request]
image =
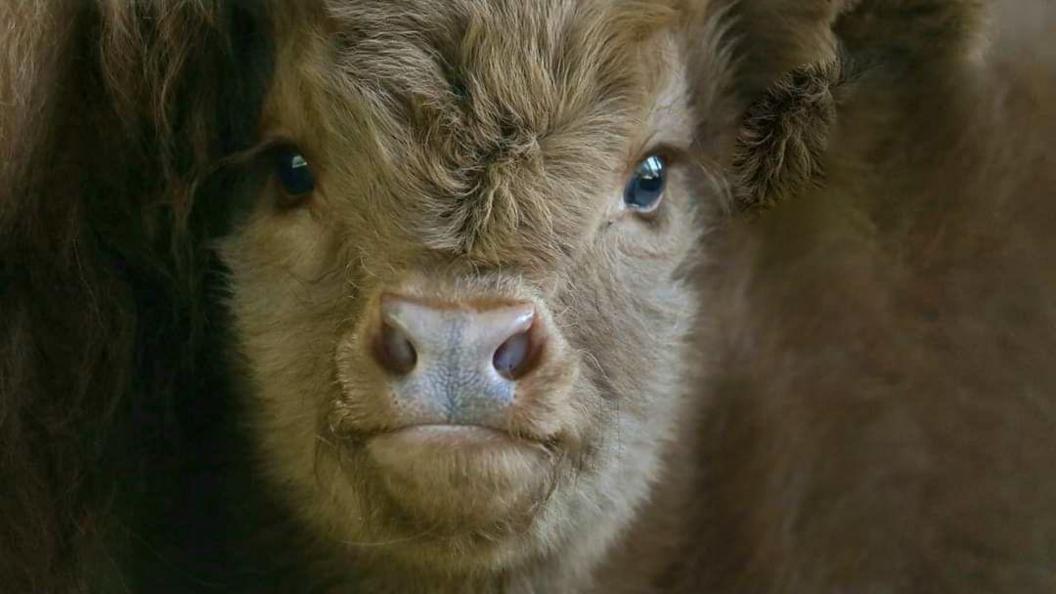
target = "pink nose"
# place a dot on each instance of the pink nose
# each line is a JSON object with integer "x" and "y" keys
{"x": 462, "y": 361}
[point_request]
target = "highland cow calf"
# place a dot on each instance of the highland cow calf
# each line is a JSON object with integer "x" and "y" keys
{"x": 528, "y": 296}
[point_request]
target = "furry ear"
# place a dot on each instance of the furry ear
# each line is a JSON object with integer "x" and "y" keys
{"x": 784, "y": 130}
{"x": 783, "y": 137}
{"x": 780, "y": 62}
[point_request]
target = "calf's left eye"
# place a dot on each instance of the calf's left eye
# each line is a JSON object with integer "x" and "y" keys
{"x": 646, "y": 186}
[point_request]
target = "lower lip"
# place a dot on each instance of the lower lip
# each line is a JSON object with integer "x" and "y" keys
{"x": 466, "y": 443}
{"x": 451, "y": 435}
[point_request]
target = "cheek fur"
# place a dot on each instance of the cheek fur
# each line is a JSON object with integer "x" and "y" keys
{"x": 287, "y": 295}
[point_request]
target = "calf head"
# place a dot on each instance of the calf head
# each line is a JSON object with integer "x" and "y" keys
{"x": 460, "y": 293}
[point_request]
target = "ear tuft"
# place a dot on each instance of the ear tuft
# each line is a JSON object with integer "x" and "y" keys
{"x": 783, "y": 137}
{"x": 791, "y": 107}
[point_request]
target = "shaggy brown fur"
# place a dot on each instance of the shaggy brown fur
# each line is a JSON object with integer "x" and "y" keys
{"x": 862, "y": 403}
{"x": 883, "y": 416}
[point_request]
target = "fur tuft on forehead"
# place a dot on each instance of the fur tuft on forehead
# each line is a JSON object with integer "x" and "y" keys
{"x": 477, "y": 115}
{"x": 529, "y": 55}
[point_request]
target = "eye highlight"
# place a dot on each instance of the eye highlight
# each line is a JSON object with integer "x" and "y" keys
{"x": 646, "y": 187}
{"x": 294, "y": 173}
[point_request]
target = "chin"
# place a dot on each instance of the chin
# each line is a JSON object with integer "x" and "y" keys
{"x": 456, "y": 497}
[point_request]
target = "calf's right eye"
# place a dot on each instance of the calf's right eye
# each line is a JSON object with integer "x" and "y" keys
{"x": 295, "y": 175}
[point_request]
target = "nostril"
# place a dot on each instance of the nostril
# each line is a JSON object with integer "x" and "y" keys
{"x": 454, "y": 340}
{"x": 511, "y": 359}
{"x": 394, "y": 351}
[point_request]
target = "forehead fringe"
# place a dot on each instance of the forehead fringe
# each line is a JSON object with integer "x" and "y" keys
{"x": 465, "y": 105}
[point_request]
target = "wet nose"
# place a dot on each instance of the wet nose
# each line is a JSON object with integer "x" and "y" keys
{"x": 455, "y": 362}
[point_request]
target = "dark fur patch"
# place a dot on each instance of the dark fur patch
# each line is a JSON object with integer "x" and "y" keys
{"x": 112, "y": 112}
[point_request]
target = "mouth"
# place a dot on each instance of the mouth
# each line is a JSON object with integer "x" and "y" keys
{"x": 470, "y": 450}
{"x": 455, "y": 436}
{"x": 460, "y": 475}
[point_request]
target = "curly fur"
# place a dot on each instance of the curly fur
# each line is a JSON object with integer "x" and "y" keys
{"x": 871, "y": 405}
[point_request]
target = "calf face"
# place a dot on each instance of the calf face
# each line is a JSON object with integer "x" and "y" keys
{"x": 460, "y": 294}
